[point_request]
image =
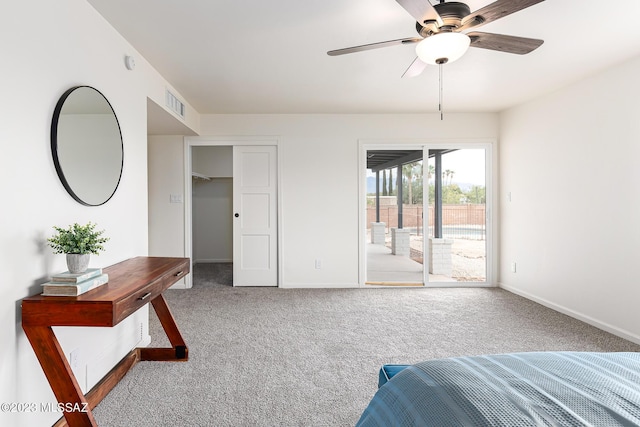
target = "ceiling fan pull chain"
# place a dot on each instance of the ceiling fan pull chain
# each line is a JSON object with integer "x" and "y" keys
{"x": 440, "y": 107}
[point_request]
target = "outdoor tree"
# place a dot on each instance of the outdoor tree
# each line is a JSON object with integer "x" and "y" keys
{"x": 384, "y": 183}
{"x": 447, "y": 175}
{"x": 476, "y": 194}
{"x": 452, "y": 195}
{"x": 411, "y": 171}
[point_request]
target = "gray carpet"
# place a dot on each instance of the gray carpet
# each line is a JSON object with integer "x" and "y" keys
{"x": 310, "y": 357}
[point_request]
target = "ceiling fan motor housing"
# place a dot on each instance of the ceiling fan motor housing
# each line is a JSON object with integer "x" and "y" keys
{"x": 451, "y": 13}
{"x": 444, "y": 38}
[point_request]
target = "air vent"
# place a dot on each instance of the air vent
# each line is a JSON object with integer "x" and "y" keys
{"x": 174, "y": 104}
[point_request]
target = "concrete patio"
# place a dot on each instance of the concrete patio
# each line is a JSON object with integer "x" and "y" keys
{"x": 384, "y": 268}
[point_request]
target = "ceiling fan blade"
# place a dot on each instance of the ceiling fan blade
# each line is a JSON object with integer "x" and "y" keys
{"x": 495, "y": 10}
{"x": 415, "y": 69}
{"x": 503, "y": 43}
{"x": 373, "y": 46}
{"x": 421, "y": 10}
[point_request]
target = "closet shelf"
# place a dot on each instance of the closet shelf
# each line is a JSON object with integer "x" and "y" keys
{"x": 199, "y": 176}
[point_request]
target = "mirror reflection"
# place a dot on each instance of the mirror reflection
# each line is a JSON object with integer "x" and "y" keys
{"x": 87, "y": 145}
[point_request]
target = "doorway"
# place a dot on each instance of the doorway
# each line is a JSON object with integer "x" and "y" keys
{"x": 231, "y": 208}
{"x": 439, "y": 202}
{"x": 212, "y": 204}
{"x": 394, "y": 217}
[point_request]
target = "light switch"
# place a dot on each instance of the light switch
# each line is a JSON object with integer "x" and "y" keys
{"x": 175, "y": 198}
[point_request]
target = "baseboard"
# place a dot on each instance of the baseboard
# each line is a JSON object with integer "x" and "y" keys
{"x": 576, "y": 315}
{"x": 383, "y": 285}
{"x": 319, "y": 285}
{"x": 145, "y": 341}
{"x": 212, "y": 261}
{"x": 451, "y": 285}
{"x": 397, "y": 284}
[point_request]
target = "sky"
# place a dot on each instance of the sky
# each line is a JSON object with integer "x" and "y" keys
{"x": 468, "y": 165}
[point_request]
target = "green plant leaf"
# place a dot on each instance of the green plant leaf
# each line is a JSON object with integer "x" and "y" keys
{"x": 77, "y": 239}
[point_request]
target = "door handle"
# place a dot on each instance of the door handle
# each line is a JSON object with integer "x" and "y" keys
{"x": 236, "y": 215}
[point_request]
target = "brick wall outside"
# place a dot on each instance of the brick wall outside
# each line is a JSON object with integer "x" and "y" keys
{"x": 412, "y": 215}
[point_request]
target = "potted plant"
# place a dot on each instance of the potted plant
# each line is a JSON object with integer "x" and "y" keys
{"x": 78, "y": 242}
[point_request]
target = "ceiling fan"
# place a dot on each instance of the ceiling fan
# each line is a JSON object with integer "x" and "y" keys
{"x": 442, "y": 32}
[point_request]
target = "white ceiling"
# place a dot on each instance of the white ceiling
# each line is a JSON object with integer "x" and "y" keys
{"x": 257, "y": 56}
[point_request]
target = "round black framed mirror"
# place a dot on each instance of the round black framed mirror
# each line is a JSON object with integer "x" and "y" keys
{"x": 86, "y": 143}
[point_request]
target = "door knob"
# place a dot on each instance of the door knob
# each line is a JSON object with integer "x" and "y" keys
{"x": 236, "y": 215}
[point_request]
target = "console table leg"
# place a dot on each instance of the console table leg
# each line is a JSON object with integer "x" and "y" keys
{"x": 60, "y": 376}
{"x": 179, "y": 350}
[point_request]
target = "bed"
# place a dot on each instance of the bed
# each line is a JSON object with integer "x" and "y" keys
{"x": 511, "y": 390}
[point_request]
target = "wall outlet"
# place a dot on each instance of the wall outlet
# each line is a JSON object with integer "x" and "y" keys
{"x": 318, "y": 263}
{"x": 513, "y": 267}
{"x": 74, "y": 358}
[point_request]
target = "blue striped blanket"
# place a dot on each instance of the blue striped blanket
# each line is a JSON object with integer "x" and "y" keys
{"x": 512, "y": 390}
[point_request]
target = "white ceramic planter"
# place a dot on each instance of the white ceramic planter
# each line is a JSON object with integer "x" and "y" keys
{"x": 78, "y": 263}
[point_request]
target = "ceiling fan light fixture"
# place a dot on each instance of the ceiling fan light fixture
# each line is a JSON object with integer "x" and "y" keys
{"x": 442, "y": 48}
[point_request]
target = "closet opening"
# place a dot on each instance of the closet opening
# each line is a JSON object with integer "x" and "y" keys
{"x": 231, "y": 210}
{"x": 212, "y": 214}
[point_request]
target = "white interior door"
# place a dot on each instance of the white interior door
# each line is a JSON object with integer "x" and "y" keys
{"x": 255, "y": 216}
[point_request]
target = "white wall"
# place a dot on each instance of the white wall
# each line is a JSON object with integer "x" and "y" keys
{"x": 319, "y": 179}
{"x": 50, "y": 47}
{"x": 570, "y": 161}
{"x": 166, "y": 178}
{"x": 214, "y": 162}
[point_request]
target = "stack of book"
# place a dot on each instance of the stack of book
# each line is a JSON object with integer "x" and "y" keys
{"x": 73, "y": 284}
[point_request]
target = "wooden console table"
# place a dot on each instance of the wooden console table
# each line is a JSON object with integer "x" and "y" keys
{"x": 132, "y": 284}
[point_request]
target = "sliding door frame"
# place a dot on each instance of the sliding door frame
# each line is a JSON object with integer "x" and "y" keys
{"x": 491, "y": 175}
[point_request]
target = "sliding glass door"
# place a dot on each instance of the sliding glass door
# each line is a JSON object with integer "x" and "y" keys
{"x": 427, "y": 215}
{"x": 457, "y": 227}
{"x": 394, "y": 217}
